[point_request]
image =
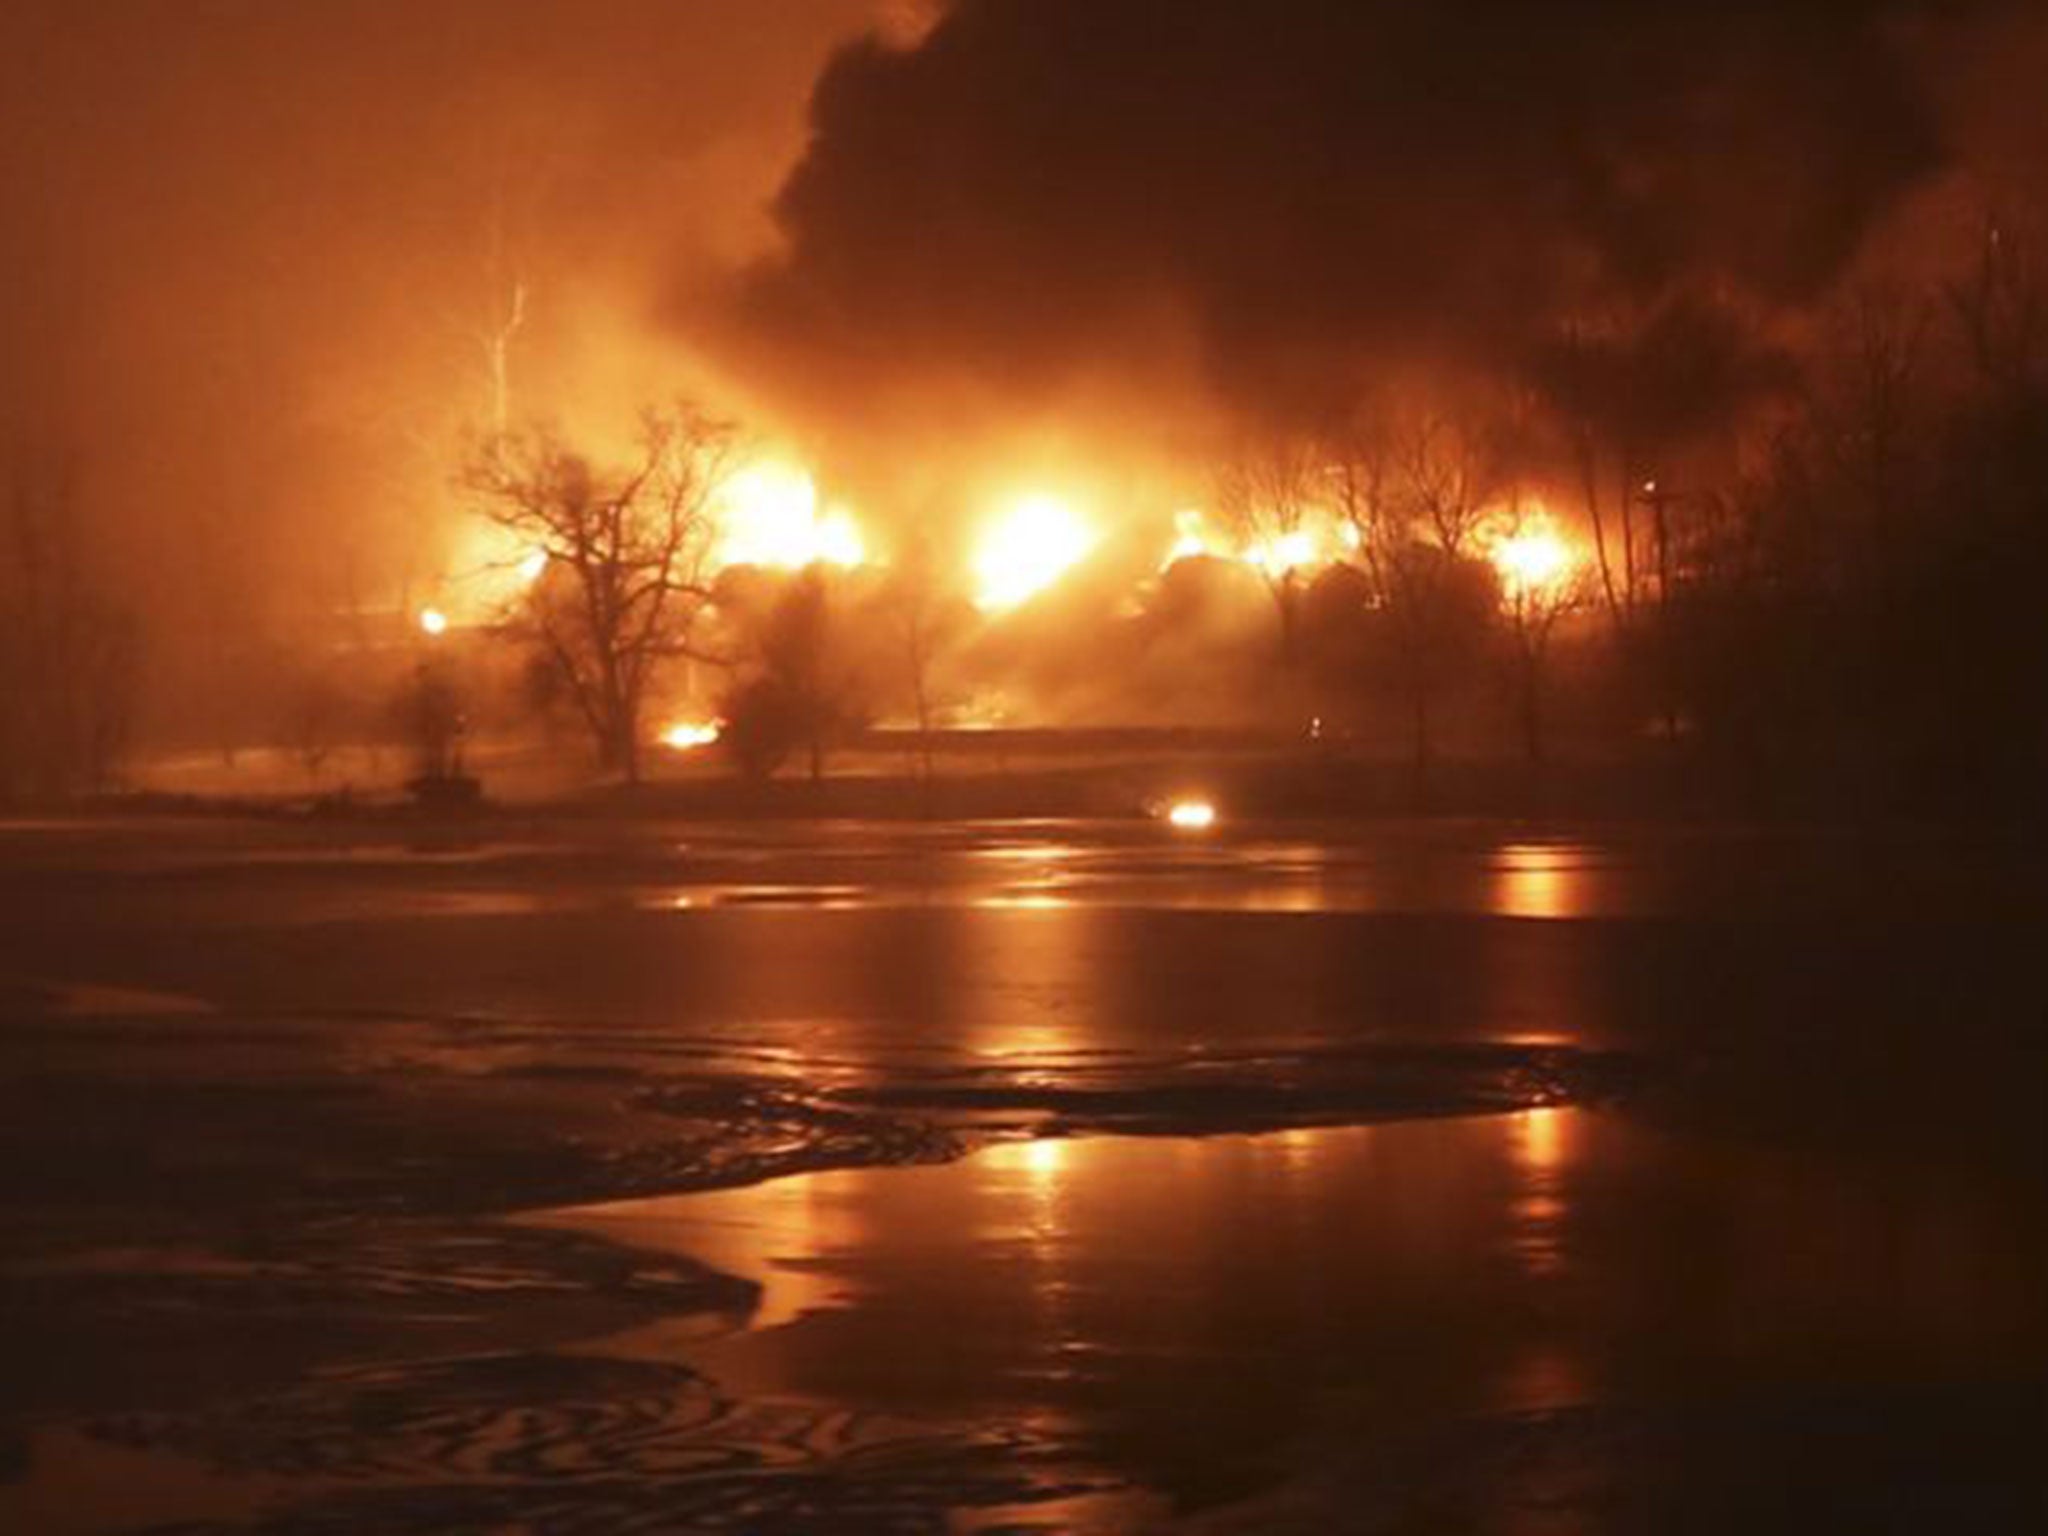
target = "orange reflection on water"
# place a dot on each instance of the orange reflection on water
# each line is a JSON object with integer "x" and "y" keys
{"x": 1041, "y": 1158}
{"x": 1254, "y": 1288}
{"x": 1541, "y": 1134}
{"x": 1542, "y": 1372}
{"x": 1025, "y": 901}
{"x": 1037, "y": 1168}
{"x": 1541, "y": 1148}
{"x": 1538, "y": 880}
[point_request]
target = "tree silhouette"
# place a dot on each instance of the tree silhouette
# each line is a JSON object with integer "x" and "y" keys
{"x": 625, "y": 578}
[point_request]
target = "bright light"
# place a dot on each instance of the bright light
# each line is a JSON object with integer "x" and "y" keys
{"x": 687, "y": 735}
{"x": 1192, "y": 815}
{"x": 1028, "y": 549}
{"x": 529, "y": 569}
{"x": 1299, "y": 548}
{"x": 1283, "y": 553}
{"x": 1532, "y": 560}
{"x": 838, "y": 541}
{"x": 768, "y": 515}
{"x": 1190, "y": 539}
{"x": 433, "y": 621}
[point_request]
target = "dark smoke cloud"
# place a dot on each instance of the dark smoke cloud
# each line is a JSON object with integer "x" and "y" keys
{"x": 1298, "y": 190}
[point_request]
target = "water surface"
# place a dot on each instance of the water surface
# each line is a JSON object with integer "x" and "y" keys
{"x": 1629, "y": 1180}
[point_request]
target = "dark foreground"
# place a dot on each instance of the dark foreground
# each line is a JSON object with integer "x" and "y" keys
{"x": 1044, "y": 1177}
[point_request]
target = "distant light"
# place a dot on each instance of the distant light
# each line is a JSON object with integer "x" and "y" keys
{"x": 531, "y": 567}
{"x": 686, "y": 736}
{"x": 433, "y": 621}
{"x": 1192, "y": 815}
{"x": 1028, "y": 549}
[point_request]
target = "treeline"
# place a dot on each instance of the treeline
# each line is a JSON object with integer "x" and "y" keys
{"x": 1807, "y": 575}
{"x": 1866, "y": 608}
{"x": 1812, "y": 582}
{"x": 70, "y": 646}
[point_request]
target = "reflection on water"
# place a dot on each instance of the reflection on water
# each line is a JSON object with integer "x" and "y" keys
{"x": 1539, "y": 880}
{"x": 1196, "y": 1305}
{"x": 1833, "y": 1045}
{"x": 1025, "y": 901}
{"x": 1540, "y": 1149}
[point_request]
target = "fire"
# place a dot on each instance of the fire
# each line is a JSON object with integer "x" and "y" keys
{"x": 1274, "y": 556}
{"x": 433, "y": 621}
{"x": 769, "y": 516}
{"x": 687, "y": 735}
{"x": 1191, "y": 539}
{"x": 1532, "y": 560}
{"x": 1028, "y": 549}
{"x": 839, "y": 541}
{"x": 1284, "y": 552}
{"x": 1192, "y": 815}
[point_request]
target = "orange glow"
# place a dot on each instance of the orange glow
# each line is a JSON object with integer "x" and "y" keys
{"x": 1538, "y": 880}
{"x": 433, "y": 621}
{"x": 1192, "y": 815}
{"x": 1275, "y": 556}
{"x": 688, "y": 735}
{"x": 1283, "y": 553}
{"x": 769, "y": 516}
{"x": 1542, "y": 1140}
{"x": 1191, "y": 539}
{"x": 985, "y": 712}
{"x": 1534, "y": 560}
{"x": 1027, "y": 549}
{"x": 1043, "y": 1156}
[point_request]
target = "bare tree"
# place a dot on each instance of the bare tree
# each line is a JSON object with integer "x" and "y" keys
{"x": 625, "y": 578}
{"x": 1267, "y": 498}
{"x": 2001, "y": 309}
{"x": 1415, "y": 496}
{"x": 69, "y": 649}
{"x": 923, "y": 623}
{"x": 313, "y": 720}
{"x": 801, "y": 680}
{"x": 1539, "y": 585}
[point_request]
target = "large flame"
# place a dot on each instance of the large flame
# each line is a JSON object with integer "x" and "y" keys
{"x": 1283, "y": 553}
{"x": 688, "y": 735}
{"x": 1317, "y": 540}
{"x": 1191, "y": 539}
{"x": 769, "y": 515}
{"x": 1534, "y": 560}
{"x": 1037, "y": 541}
